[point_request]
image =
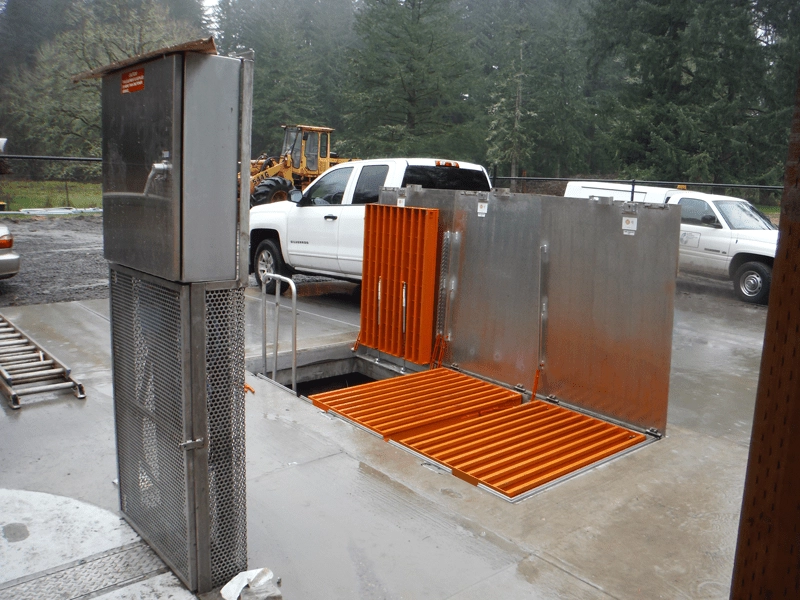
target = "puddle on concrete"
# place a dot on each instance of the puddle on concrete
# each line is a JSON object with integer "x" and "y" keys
{"x": 15, "y": 532}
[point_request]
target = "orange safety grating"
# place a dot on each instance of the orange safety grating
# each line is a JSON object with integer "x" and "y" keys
{"x": 400, "y": 261}
{"x": 518, "y": 449}
{"x": 414, "y": 403}
{"x": 481, "y": 431}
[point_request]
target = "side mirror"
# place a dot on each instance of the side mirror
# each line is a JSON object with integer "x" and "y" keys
{"x": 711, "y": 220}
{"x": 295, "y": 196}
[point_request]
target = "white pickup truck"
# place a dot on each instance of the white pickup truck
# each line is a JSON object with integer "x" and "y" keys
{"x": 721, "y": 236}
{"x": 321, "y": 231}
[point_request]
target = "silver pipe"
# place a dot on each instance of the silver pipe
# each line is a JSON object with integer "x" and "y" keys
{"x": 542, "y": 303}
{"x": 264, "y": 325}
{"x": 293, "y": 287}
{"x": 277, "y": 329}
{"x": 244, "y": 168}
{"x": 405, "y": 295}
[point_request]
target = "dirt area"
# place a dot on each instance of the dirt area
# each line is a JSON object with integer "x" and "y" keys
{"x": 61, "y": 260}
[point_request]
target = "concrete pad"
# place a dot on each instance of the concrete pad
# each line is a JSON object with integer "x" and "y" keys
{"x": 56, "y": 443}
{"x": 44, "y": 537}
{"x": 53, "y": 530}
{"x": 336, "y": 511}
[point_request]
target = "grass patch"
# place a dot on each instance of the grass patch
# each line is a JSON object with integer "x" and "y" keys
{"x": 770, "y": 211}
{"x": 50, "y": 194}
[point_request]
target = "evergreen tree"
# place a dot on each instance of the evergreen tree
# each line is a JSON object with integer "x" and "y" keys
{"x": 691, "y": 104}
{"x": 46, "y": 112}
{"x": 408, "y": 76}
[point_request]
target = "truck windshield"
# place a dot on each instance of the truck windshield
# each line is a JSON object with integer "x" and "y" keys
{"x": 742, "y": 215}
{"x": 291, "y": 145}
{"x": 446, "y": 178}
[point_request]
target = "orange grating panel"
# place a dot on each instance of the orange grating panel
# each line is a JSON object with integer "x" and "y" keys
{"x": 481, "y": 431}
{"x": 400, "y": 250}
{"x": 414, "y": 403}
{"x": 518, "y": 449}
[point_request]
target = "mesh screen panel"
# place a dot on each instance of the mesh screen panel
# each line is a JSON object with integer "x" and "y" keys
{"x": 153, "y": 402}
{"x": 148, "y": 392}
{"x": 226, "y": 431}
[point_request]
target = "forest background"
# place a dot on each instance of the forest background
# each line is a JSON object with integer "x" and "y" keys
{"x": 672, "y": 90}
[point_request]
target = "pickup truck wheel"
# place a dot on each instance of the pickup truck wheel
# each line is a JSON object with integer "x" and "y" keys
{"x": 272, "y": 189}
{"x": 752, "y": 282}
{"x": 269, "y": 260}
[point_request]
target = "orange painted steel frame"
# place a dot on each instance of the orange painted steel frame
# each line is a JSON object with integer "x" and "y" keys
{"x": 399, "y": 281}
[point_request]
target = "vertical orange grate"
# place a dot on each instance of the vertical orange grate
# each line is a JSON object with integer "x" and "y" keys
{"x": 398, "y": 289}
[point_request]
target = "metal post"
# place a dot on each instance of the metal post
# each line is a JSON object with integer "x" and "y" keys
{"x": 244, "y": 167}
{"x": 293, "y": 288}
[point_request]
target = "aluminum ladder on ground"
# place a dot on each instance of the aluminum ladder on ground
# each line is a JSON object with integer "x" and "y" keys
{"x": 26, "y": 368}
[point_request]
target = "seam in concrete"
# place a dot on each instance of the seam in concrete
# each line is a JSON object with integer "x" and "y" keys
{"x": 302, "y": 464}
{"x": 94, "y": 312}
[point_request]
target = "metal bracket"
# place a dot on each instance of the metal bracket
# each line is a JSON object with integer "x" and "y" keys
{"x": 193, "y": 444}
{"x": 552, "y": 398}
{"x": 655, "y": 432}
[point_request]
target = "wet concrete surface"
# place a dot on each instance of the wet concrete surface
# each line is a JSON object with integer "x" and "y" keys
{"x": 338, "y": 513}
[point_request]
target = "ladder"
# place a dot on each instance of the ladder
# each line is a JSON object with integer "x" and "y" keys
{"x": 26, "y": 368}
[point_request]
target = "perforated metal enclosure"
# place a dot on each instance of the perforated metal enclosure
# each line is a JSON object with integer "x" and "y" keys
{"x": 178, "y": 360}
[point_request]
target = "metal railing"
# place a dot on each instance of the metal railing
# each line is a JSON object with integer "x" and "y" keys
{"x": 293, "y": 287}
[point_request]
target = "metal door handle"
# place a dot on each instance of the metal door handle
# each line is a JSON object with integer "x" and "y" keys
{"x": 331, "y": 217}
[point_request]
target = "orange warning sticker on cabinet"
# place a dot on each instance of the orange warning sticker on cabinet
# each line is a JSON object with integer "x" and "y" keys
{"x": 133, "y": 81}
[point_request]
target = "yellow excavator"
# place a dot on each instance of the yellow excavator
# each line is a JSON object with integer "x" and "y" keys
{"x": 306, "y": 153}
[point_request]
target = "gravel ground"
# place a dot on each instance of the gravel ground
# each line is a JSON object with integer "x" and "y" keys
{"x": 61, "y": 260}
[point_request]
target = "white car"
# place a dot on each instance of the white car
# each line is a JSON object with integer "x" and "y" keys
{"x": 721, "y": 236}
{"x": 321, "y": 231}
{"x": 9, "y": 260}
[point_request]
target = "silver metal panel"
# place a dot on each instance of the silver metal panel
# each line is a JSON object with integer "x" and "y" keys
{"x": 225, "y": 535}
{"x": 141, "y": 219}
{"x": 88, "y": 577}
{"x": 210, "y": 165}
{"x": 178, "y": 360}
{"x": 492, "y": 322}
{"x": 608, "y": 289}
{"x": 610, "y": 296}
{"x": 149, "y": 327}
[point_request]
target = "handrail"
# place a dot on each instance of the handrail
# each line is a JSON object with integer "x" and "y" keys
{"x": 293, "y": 287}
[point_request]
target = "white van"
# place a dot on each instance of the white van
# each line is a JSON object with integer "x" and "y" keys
{"x": 721, "y": 236}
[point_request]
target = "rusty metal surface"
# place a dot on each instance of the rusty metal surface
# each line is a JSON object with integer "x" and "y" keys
{"x": 523, "y": 447}
{"x": 766, "y": 562}
{"x": 414, "y": 403}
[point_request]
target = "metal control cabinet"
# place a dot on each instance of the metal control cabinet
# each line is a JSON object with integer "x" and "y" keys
{"x": 170, "y": 153}
{"x": 174, "y": 128}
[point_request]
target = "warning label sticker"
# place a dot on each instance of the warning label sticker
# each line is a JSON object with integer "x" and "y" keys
{"x": 133, "y": 81}
{"x": 629, "y": 225}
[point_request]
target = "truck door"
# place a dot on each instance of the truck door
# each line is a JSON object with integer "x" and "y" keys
{"x": 313, "y": 223}
{"x": 705, "y": 239}
{"x": 351, "y": 224}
